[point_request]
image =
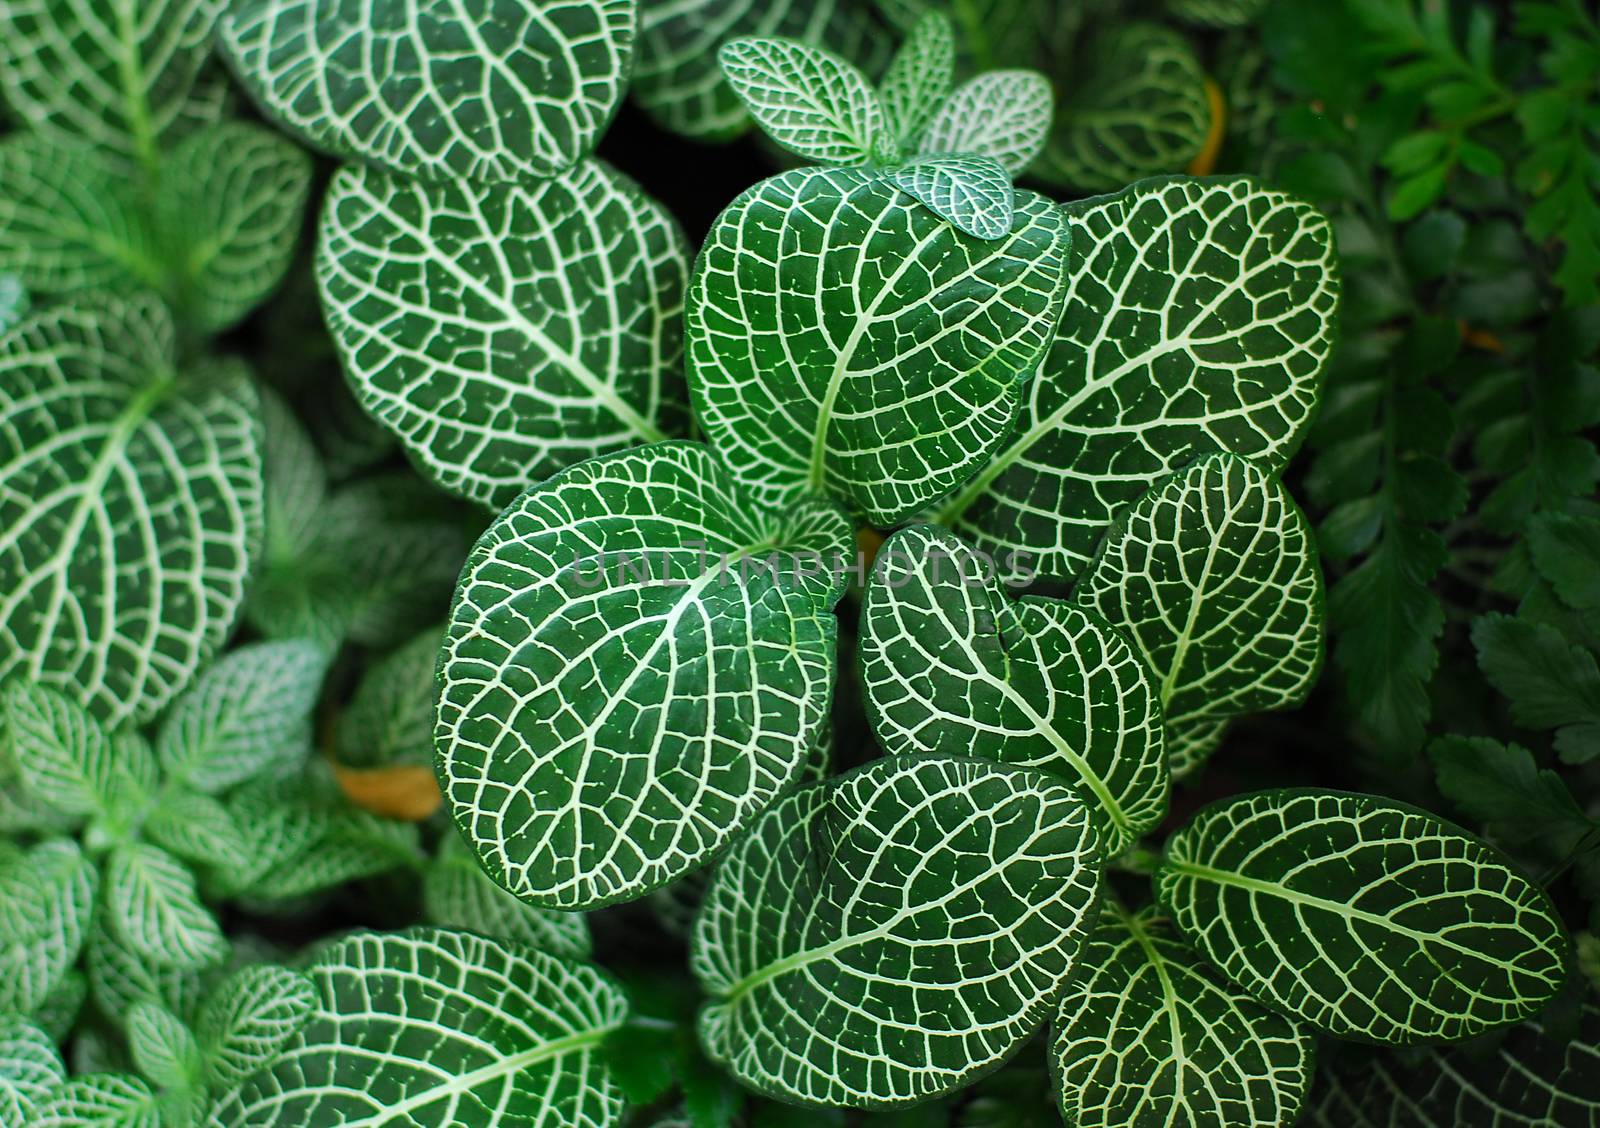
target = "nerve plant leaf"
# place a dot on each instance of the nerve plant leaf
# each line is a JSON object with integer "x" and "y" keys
{"x": 63, "y": 756}
{"x": 918, "y": 79}
{"x": 972, "y": 192}
{"x": 1199, "y": 315}
{"x": 1139, "y": 109}
{"x": 130, "y": 505}
{"x": 638, "y": 661}
{"x": 504, "y": 332}
{"x": 100, "y": 1100}
{"x": 807, "y": 99}
{"x": 47, "y": 897}
{"x": 1214, "y": 578}
{"x": 248, "y": 1018}
{"x": 390, "y": 716}
{"x": 30, "y": 1067}
{"x": 427, "y": 1028}
{"x": 855, "y": 909}
{"x": 125, "y": 80}
{"x": 512, "y": 90}
{"x": 151, "y": 903}
{"x": 1003, "y": 115}
{"x": 1148, "y": 1033}
{"x": 162, "y": 1047}
{"x": 456, "y": 893}
{"x": 889, "y": 399}
{"x": 951, "y": 664}
{"x": 1365, "y": 918}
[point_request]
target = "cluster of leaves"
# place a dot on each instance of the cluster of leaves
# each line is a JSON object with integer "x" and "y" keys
{"x": 849, "y": 599}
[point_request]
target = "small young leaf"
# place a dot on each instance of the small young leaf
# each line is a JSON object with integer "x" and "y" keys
{"x": 974, "y": 193}
{"x": 456, "y": 893}
{"x": 63, "y": 756}
{"x": 523, "y": 96}
{"x": 163, "y": 1048}
{"x": 454, "y": 1029}
{"x": 151, "y": 902}
{"x": 918, "y": 78}
{"x": 197, "y": 828}
{"x": 620, "y": 692}
{"x": 250, "y": 712}
{"x": 248, "y": 1018}
{"x": 808, "y": 99}
{"x": 1161, "y": 357}
{"x": 790, "y": 372}
{"x": 390, "y": 716}
{"x": 47, "y": 898}
{"x": 1004, "y": 115}
{"x": 1148, "y": 1033}
{"x": 1400, "y": 927}
{"x": 951, "y": 664}
{"x": 915, "y": 885}
{"x": 504, "y": 332}
{"x": 30, "y": 1067}
{"x": 120, "y": 976}
{"x": 131, "y": 505}
{"x": 99, "y": 1100}
{"x": 1214, "y": 579}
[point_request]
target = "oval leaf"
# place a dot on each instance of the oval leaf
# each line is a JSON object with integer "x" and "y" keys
{"x": 508, "y": 90}
{"x": 130, "y": 506}
{"x": 428, "y": 1028}
{"x": 100, "y": 1100}
{"x": 1148, "y": 1033}
{"x": 951, "y": 664}
{"x": 249, "y": 1018}
{"x": 918, "y": 77}
{"x": 1199, "y": 315}
{"x": 30, "y": 1067}
{"x": 47, "y": 899}
{"x": 1003, "y": 115}
{"x": 1214, "y": 578}
{"x": 1366, "y": 918}
{"x": 504, "y": 332}
{"x": 456, "y": 893}
{"x": 974, "y": 193}
{"x": 625, "y": 683}
{"x": 150, "y": 901}
{"x": 856, "y": 909}
{"x": 877, "y": 403}
{"x": 809, "y": 100}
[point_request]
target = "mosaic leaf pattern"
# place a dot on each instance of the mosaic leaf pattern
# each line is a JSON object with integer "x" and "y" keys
{"x": 1364, "y": 917}
{"x": 456, "y": 893}
{"x": 1148, "y": 1033}
{"x": 855, "y": 909}
{"x": 951, "y": 664}
{"x": 918, "y": 78}
{"x": 1139, "y": 109}
{"x": 1004, "y": 115}
{"x": 974, "y": 193}
{"x": 125, "y": 77}
{"x": 1199, "y": 316}
{"x": 800, "y": 402}
{"x": 1213, "y": 576}
{"x": 62, "y": 756}
{"x": 30, "y": 1066}
{"x": 807, "y": 99}
{"x": 152, "y": 905}
{"x": 427, "y": 1028}
{"x": 678, "y": 78}
{"x": 249, "y": 1017}
{"x": 622, "y": 688}
{"x": 46, "y": 897}
{"x": 504, "y": 332}
{"x": 130, "y": 506}
{"x": 100, "y": 1100}
{"x": 489, "y": 90}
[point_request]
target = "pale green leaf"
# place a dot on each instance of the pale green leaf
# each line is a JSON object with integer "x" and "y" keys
{"x": 197, "y": 828}
{"x": 952, "y": 664}
{"x": 232, "y": 200}
{"x": 428, "y": 1028}
{"x": 47, "y": 899}
{"x": 508, "y": 90}
{"x": 1364, "y": 917}
{"x": 248, "y": 1018}
{"x": 677, "y": 79}
{"x": 390, "y": 716}
{"x": 1004, "y": 115}
{"x": 344, "y": 845}
{"x": 119, "y": 977}
{"x": 456, "y": 893}
{"x": 504, "y": 332}
{"x": 1140, "y": 108}
{"x": 250, "y": 712}
{"x": 638, "y": 661}
{"x": 1213, "y": 576}
{"x": 14, "y": 301}
{"x": 126, "y": 78}
{"x": 914, "y": 886}
{"x": 972, "y": 192}
{"x": 1199, "y": 315}
{"x": 130, "y": 505}
{"x": 918, "y": 78}
{"x": 163, "y": 1048}
{"x": 1190, "y": 744}
{"x": 30, "y": 1067}
{"x": 63, "y": 756}
{"x": 151, "y": 903}
{"x": 70, "y": 223}
{"x": 807, "y": 99}
{"x": 58, "y": 1014}
{"x": 885, "y": 392}
{"x": 100, "y": 1100}
{"x": 1148, "y": 1033}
